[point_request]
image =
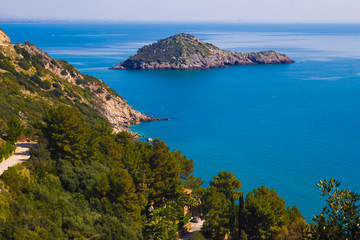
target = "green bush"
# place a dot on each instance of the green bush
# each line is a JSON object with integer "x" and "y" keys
{"x": 45, "y": 85}
{"x": 197, "y": 236}
{"x": 6, "y": 65}
{"x": 24, "y": 64}
{"x": 36, "y": 79}
{"x": 14, "y": 129}
{"x": 2, "y": 56}
{"x": 79, "y": 81}
{"x": 183, "y": 222}
{"x": 6, "y": 150}
{"x": 56, "y": 85}
{"x": 22, "y": 51}
{"x": 37, "y": 61}
{"x": 57, "y": 92}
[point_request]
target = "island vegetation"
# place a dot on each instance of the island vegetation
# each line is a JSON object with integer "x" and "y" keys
{"x": 86, "y": 181}
{"x": 186, "y": 52}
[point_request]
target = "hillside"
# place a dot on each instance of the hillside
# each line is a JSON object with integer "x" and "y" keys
{"x": 31, "y": 82}
{"x": 186, "y": 52}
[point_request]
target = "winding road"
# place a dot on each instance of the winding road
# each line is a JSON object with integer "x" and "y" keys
{"x": 21, "y": 154}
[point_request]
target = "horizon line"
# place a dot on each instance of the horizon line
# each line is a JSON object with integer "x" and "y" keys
{"x": 34, "y": 20}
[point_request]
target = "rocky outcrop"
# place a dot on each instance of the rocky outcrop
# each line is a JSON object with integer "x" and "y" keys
{"x": 37, "y": 68}
{"x": 112, "y": 106}
{"x": 4, "y": 38}
{"x": 118, "y": 112}
{"x": 186, "y": 52}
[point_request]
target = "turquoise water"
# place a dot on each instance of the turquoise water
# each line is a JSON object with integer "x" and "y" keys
{"x": 282, "y": 126}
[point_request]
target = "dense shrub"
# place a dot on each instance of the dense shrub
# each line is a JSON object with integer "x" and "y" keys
{"x": 24, "y": 64}
{"x": 22, "y": 51}
{"x": 2, "y": 56}
{"x": 57, "y": 92}
{"x": 37, "y": 61}
{"x": 197, "y": 236}
{"x": 45, "y": 85}
{"x": 35, "y": 78}
{"x": 6, "y": 65}
{"x": 56, "y": 85}
{"x": 6, "y": 148}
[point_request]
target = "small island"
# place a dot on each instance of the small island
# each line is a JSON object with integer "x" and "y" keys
{"x": 186, "y": 52}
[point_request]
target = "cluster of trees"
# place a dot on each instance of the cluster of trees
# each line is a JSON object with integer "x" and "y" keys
{"x": 83, "y": 181}
{"x": 263, "y": 215}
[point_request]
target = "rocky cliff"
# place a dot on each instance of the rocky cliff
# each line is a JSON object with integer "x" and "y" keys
{"x": 186, "y": 52}
{"x": 4, "y": 38}
{"x": 31, "y": 82}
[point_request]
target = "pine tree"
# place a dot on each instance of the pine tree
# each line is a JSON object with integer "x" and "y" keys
{"x": 241, "y": 214}
{"x": 67, "y": 132}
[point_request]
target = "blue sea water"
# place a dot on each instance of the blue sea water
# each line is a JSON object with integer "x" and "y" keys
{"x": 282, "y": 126}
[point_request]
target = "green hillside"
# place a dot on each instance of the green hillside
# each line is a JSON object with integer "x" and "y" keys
{"x": 31, "y": 82}
{"x": 28, "y": 89}
{"x": 173, "y": 49}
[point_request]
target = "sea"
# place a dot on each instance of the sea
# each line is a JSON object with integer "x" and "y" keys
{"x": 282, "y": 126}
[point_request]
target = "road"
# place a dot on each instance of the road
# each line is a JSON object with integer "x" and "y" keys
{"x": 195, "y": 227}
{"x": 22, "y": 153}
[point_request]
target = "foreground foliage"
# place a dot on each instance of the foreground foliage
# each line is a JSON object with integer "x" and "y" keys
{"x": 340, "y": 218}
{"x": 84, "y": 182}
{"x": 88, "y": 183}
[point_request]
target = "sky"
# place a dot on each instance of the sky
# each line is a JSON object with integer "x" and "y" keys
{"x": 235, "y": 11}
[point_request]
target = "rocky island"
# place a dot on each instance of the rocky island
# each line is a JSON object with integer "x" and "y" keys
{"x": 186, "y": 52}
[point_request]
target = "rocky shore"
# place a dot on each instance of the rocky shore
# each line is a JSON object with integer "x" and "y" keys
{"x": 186, "y": 52}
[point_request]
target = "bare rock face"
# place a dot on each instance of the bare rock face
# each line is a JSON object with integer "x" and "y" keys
{"x": 118, "y": 112}
{"x": 4, "y": 38}
{"x": 186, "y": 52}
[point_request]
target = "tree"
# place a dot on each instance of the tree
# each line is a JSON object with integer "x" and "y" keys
{"x": 65, "y": 128}
{"x": 193, "y": 182}
{"x": 340, "y": 219}
{"x": 161, "y": 225}
{"x": 226, "y": 183}
{"x": 265, "y": 213}
{"x": 5, "y": 214}
{"x": 241, "y": 217}
{"x": 122, "y": 191}
{"x": 294, "y": 227}
{"x": 186, "y": 164}
{"x": 14, "y": 129}
{"x": 164, "y": 176}
{"x": 218, "y": 213}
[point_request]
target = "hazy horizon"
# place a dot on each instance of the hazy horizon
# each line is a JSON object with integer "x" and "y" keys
{"x": 184, "y": 11}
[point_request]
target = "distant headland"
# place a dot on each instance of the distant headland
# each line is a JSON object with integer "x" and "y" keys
{"x": 186, "y": 52}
